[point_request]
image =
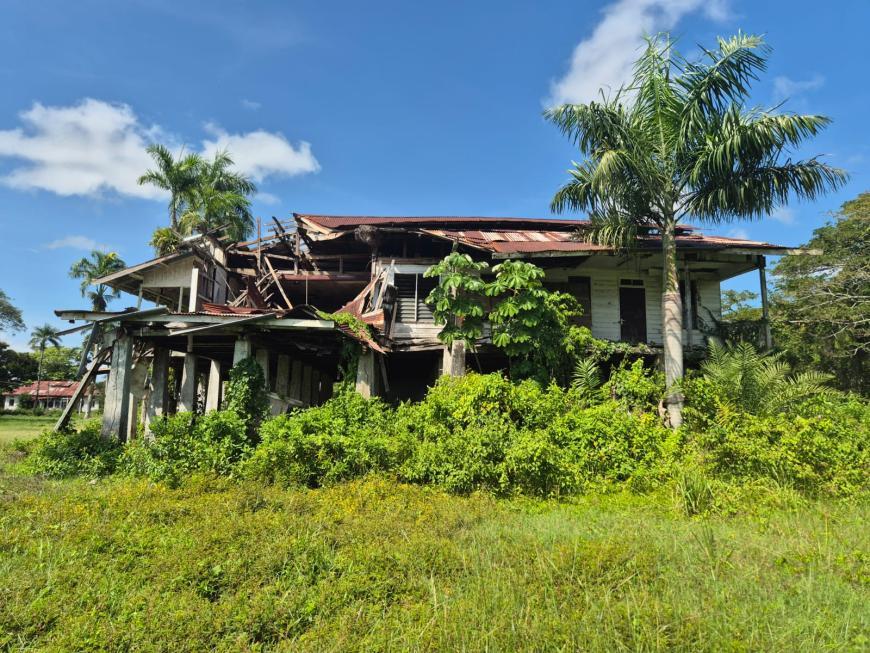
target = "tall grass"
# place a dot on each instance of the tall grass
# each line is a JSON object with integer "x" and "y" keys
{"x": 372, "y": 565}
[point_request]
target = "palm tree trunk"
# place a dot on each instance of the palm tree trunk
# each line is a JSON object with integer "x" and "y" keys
{"x": 39, "y": 376}
{"x": 672, "y": 324}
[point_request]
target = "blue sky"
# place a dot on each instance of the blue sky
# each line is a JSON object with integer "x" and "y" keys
{"x": 351, "y": 107}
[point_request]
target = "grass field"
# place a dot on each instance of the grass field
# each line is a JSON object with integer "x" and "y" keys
{"x": 368, "y": 566}
{"x": 23, "y": 427}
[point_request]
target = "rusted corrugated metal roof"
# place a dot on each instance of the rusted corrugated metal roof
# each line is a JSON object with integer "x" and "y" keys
{"x": 340, "y": 221}
{"x": 47, "y": 389}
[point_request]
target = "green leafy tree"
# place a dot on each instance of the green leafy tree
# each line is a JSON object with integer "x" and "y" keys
{"x": 40, "y": 338}
{"x": 97, "y": 265}
{"x": 176, "y": 175}
{"x": 219, "y": 200}
{"x": 60, "y": 363}
{"x": 457, "y": 300}
{"x": 16, "y": 368}
{"x": 821, "y": 305}
{"x": 677, "y": 142}
{"x": 758, "y": 383}
{"x": 10, "y": 315}
{"x": 529, "y": 323}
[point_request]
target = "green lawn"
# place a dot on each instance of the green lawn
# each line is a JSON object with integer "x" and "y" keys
{"x": 372, "y": 565}
{"x": 23, "y": 426}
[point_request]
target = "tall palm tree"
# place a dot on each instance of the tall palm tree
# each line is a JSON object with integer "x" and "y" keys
{"x": 677, "y": 141}
{"x": 98, "y": 265}
{"x": 178, "y": 175}
{"x": 220, "y": 200}
{"x": 40, "y": 338}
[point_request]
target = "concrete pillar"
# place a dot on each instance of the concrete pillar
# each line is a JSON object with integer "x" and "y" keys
{"x": 242, "y": 349}
{"x": 213, "y": 390}
{"x": 282, "y": 375}
{"x": 295, "y": 390}
{"x": 117, "y": 401}
{"x": 187, "y": 396}
{"x": 262, "y": 357}
{"x": 453, "y": 361}
{"x": 306, "y": 385}
{"x": 366, "y": 374}
{"x": 158, "y": 389}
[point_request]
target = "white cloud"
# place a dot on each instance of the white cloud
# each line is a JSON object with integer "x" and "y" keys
{"x": 267, "y": 198}
{"x": 94, "y": 147}
{"x": 604, "y": 60}
{"x": 783, "y": 214}
{"x": 84, "y": 149}
{"x": 251, "y": 104}
{"x": 785, "y": 87}
{"x": 261, "y": 154}
{"x": 739, "y": 233}
{"x": 77, "y": 242}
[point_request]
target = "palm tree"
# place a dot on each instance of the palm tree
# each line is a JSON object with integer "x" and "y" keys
{"x": 179, "y": 176}
{"x": 219, "y": 201}
{"x": 98, "y": 265}
{"x": 677, "y": 141}
{"x": 40, "y": 338}
{"x": 761, "y": 384}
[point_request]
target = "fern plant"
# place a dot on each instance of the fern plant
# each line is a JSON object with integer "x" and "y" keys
{"x": 587, "y": 377}
{"x": 758, "y": 383}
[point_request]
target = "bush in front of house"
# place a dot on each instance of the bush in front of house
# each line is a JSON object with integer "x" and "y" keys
{"x": 186, "y": 443}
{"x": 346, "y": 437}
{"x": 83, "y": 452}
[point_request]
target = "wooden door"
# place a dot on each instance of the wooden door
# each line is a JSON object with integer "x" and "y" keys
{"x": 632, "y": 314}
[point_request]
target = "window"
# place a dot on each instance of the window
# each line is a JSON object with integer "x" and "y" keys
{"x": 581, "y": 289}
{"x": 691, "y": 305}
{"x": 412, "y": 290}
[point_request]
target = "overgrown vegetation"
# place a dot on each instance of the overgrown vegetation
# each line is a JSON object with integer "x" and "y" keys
{"x": 373, "y": 565}
{"x": 748, "y": 421}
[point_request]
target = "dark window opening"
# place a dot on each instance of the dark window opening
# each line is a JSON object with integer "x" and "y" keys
{"x": 581, "y": 289}
{"x": 690, "y": 308}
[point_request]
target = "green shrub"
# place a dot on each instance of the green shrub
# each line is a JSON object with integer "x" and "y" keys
{"x": 83, "y": 452}
{"x": 246, "y": 394}
{"x": 820, "y": 447}
{"x": 635, "y": 386}
{"x": 186, "y": 443}
{"x": 346, "y": 437}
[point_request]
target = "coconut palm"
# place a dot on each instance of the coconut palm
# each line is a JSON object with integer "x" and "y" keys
{"x": 219, "y": 200}
{"x": 97, "y": 265}
{"x": 676, "y": 142}
{"x": 178, "y": 175}
{"x": 40, "y": 338}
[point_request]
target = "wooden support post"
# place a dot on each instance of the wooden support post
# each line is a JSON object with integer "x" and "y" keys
{"x": 187, "y": 396}
{"x": 158, "y": 389}
{"x": 282, "y": 375}
{"x": 306, "y": 385}
{"x": 117, "y": 399}
{"x": 765, "y": 311}
{"x": 213, "y": 390}
{"x": 138, "y": 376}
{"x": 262, "y": 357}
{"x": 315, "y": 387}
{"x": 453, "y": 361}
{"x": 295, "y": 390}
{"x": 366, "y": 374}
{"x": 242, "y": 349}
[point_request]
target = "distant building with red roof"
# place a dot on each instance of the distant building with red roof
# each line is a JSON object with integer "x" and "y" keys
{"x": 53, "y": 395}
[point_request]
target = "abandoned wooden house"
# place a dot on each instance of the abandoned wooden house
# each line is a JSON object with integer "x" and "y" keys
{"x": 216, "y": 303}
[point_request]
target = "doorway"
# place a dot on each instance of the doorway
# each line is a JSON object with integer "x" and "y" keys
{"x": 632, "y": 314}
